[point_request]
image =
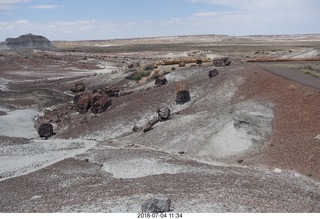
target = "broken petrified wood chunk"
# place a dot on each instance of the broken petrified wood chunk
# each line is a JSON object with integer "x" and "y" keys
{"x": 82, "y": 102}
{"x": 224, "y": 61}
{"x": 183, "y": 96}
{"x": 101, "y": 105}
{"x": 160, "y": 81}
{"x": 78, "y": 87}
{"x": 156, "y": 205}
{"x": 95, "y": 97}
{"x": 150, "y": 124}
{"x": 213, "y": 73}
{"x": 45, "y": 130}
{"x": 164, "y": 113}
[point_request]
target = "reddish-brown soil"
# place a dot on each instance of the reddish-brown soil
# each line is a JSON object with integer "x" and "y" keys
{"x": 296, "y": 123}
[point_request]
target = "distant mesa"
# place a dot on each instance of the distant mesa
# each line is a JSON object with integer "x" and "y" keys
{"x": 28, "y": 41}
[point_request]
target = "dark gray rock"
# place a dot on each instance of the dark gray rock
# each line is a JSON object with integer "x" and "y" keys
{"x": 45, "y": 130}
{"x": 156, "y": 205}
{"x": 213, "y": 73}
{"x": 183, "y": 96}
{"x": 164, "y": 113}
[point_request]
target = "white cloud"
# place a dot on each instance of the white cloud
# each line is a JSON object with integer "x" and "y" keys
{"x": 9, "y": 4}
{"x": 45, "y": 6}
{"x": 240, "y": 17}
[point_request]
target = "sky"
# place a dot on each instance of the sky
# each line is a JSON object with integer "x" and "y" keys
{"x": 113, "y": 19}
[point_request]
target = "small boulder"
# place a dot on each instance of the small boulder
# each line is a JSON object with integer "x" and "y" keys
{"x": 78, "y": 87}
{"x": 183, "y": 96}
{"x": 164, "y": 113}
{"x": 213, "y": 73}
{"x": 45, "y": 130}
{"x": 156, "y": 205}
{"x": 101, "y": 105}
{"x": 160, "y": 81}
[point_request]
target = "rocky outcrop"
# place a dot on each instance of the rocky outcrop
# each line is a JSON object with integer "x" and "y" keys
{"x": 29, "y": 41}
{"x": 45, "y": 130}
{"x": 156, "y": 205}
{"x": 224, "y": 61}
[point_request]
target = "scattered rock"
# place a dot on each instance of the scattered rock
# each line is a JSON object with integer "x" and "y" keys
{"x": 213, "y": 73}
{"x": 224, "y": 61}
{"x": 156, "y": 205}
{"x": 45, "y": 130}
{"x": 183, "y": 96}
{"x": 164, "y": 113}
{"x": 78, "y": 87}
{"x": 86, "y": 160}
{"x": 160, "y": 81}
{"x": 101, "y": 105}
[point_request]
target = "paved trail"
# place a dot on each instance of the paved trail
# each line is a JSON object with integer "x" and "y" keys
{"x": 295, "y": 75}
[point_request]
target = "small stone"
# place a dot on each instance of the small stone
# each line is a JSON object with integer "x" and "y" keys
{"x": 86, "y": 160}
{"x": 240, "y": 161}
{"x": 181, "y": 152}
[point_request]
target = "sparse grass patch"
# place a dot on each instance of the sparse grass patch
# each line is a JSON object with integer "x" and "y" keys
{"x": 307, "y": 69}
